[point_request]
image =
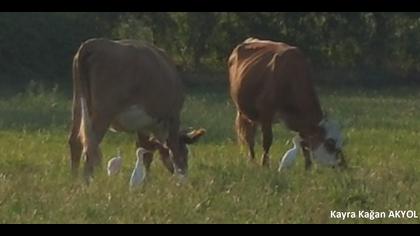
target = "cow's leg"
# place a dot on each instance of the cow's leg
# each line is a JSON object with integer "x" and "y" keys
{"x": 75, "y": 151}
{"x": 166, "y": 159}
{"x": 179, "y": 159}
{"x": 306, "y": 155}
{"x": 267, "y": 133}
{"x": 74, "y": 139}
{"x": 246, "y": 130}
{"x": 92, "y": 153}
{"x": 100, "y": 124}
{"x": 143, "y": 141}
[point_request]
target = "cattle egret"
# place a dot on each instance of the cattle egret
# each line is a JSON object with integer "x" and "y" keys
{"x": 139, "y": 172}
{"x": 114, "y": 164}
{"x": 289, "y": 157}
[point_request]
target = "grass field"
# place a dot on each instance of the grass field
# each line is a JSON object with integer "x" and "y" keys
{"x": 382, "y": 130}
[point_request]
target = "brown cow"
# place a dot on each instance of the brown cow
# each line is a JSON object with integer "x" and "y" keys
{"x": 270, "y": 81}
{"x": 127, "y": 86}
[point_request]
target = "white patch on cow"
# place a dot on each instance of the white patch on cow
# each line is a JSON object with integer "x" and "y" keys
{"x": 323, "y": 157}
{"x": 182, "y": 178}
{"x": 333, "y": 131}
{"x": 320, "y": 154}
{"x": 136, "y": 119}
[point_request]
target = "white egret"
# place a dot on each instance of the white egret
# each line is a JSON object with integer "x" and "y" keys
{"x": 114, "y": 164}
{"x": 289, "y": 157}
{"x": 139, "y": 173}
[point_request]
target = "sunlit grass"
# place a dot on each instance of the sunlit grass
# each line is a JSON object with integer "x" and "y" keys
{"x": 382, "y": 130}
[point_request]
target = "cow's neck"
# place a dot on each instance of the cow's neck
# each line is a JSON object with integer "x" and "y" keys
{"x": 304, "y": 119}
{"x": 312, "y": 122}
{"x": 304, "y": 123}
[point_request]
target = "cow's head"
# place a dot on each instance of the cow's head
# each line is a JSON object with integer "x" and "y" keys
{"x": 326, "y": 145}
{"x": 186, "y": 137}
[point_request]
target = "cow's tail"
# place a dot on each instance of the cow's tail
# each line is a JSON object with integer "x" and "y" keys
{"x": 81, "y": 76}
{"x": 240, "y": 129}
{"x": 245, "y": 129}
{"x": 85, "y": 127}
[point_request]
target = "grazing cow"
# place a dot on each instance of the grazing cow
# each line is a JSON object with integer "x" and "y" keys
{"x": 269, "y": 81}
{"x": 127, "y": 86}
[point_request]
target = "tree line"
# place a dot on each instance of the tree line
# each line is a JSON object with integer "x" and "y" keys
{"x": 349, "y": 45}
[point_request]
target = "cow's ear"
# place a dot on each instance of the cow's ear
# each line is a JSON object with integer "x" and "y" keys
{"x": 192, "y": 136}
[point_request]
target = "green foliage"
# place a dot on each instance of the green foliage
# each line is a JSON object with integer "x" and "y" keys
{"x": 40, "y": 46}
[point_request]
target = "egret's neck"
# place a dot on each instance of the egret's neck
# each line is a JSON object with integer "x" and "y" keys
{"x": 140, "y": 155}
{"x": 139, "y": 161}
{"x": 296, "y": 143}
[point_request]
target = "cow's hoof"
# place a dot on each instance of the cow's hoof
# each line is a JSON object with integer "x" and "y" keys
{"x": 252, "y": 161}
{"x": 265, "y": 161}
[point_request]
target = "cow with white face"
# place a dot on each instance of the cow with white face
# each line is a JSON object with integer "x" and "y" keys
{"x": 127, "y": 86}
{"x": 326, "y": 149}
{"x": 270, "y": 82}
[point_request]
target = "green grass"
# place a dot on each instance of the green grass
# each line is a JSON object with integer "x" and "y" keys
{"x": 382, "y": 129}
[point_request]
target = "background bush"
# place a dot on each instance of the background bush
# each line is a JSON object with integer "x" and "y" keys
{"x": 353, "y": 46}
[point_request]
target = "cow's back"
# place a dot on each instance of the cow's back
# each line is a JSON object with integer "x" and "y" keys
{"x": 250, "y": 73}
{"x": 127, "y": 72}
{"x": 263, "y": 75}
